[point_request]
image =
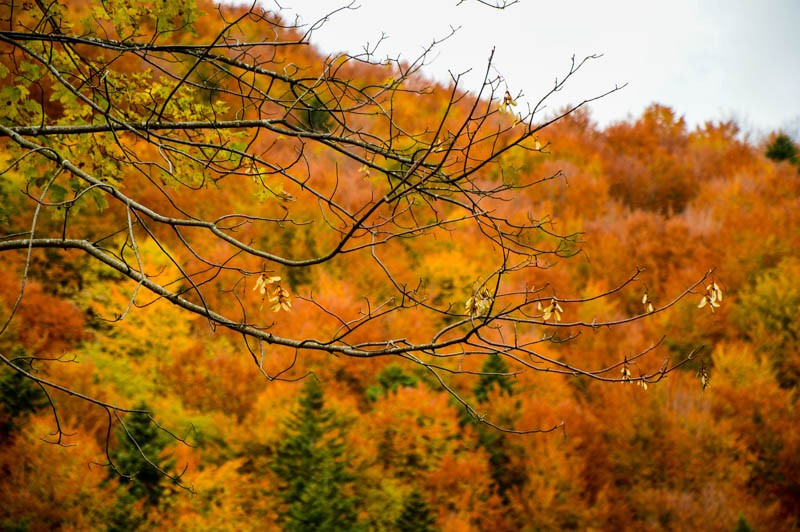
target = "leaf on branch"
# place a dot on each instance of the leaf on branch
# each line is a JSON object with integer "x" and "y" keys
{"x": 280, "y": 300}
{"x": 705, "y": 378}
{"x": 715, "y": 291}
{"x": 279, "y": 297}
{"x": 480, "y": 303}
{"x": 648, "y": 304}
{"x": 553, "y": 310}
{"x": 508, "y": 101}
{"x": 263, "y": 282}
{"x": 712, "y": 297}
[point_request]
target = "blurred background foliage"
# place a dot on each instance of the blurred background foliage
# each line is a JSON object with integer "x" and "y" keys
{"x": 377, "y": 445}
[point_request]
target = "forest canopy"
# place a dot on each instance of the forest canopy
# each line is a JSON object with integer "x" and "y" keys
{"x": 328, "y": 292}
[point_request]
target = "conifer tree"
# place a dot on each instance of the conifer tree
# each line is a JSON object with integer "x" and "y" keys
{"x": 19, "y": 397}
{"x": 141, "y": 478}
{"x": 312, "y": 466}
{"x": 416, "y": 515}
{"x": 493, "y": 373}
{"x": 782, "y": 149}
{"x": 391, "y": 379}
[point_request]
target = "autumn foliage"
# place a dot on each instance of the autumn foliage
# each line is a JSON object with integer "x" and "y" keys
{"x": 379, "y": 443}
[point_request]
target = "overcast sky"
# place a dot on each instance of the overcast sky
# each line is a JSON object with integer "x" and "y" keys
{"x": 707, "y": 59}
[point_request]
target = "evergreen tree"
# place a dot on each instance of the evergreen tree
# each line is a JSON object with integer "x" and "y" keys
{"x": 313, "y": 468}
{"x": 316, "y": 116}
{"x": 416, "y": 515}
{"x": 141, "y": 484}
{"x": 19, "y": 396}
{"x": 742, "y": 525}
{"x": 496, "y": 443}
{"x": 493, "y": 374}
{"x": 782, "y": 149}
{"x": 506, "y": 477}
{"x": 390, "y": 380}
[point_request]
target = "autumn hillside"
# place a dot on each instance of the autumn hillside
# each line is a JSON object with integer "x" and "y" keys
{"x": 359, "y": 309}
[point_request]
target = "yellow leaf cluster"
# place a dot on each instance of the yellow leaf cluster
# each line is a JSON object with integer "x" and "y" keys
{"x": 279, "y": 296}
{"x": 553, "y": 310}
{"x": 712, "y": 297}
{"x": 508, "y": 101}
{"x": 480, "y": 303}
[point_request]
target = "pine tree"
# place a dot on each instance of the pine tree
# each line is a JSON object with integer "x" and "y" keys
{"x": 19, "y": 396}
{"x": 505, "y": 476}
{"x": 141, "y": 484}
{"x": 492, "y": 374}
{"x": 782, "y": 149}
{"x": 313, "y": 468}
{"x": 416, "y": 515}
{"x": 391, "y": 379}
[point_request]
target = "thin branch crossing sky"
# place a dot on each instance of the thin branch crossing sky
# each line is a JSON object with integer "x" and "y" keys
{"x": 710, "y": 60}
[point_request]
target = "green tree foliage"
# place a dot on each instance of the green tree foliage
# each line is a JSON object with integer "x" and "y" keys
{"x": 390, "y": 380}
{"x": 19, "y": 397}
{"x": 315, "y": 116}
{"x": 782, "y": 149}
{"x": 494, "y": 374}
{"x": 140, "y": 465}
{"x": 742, "y": 525}
{"x": 768, "y": 316}
{"x": 315, "y": 484}
{"x": 416, "y": 515}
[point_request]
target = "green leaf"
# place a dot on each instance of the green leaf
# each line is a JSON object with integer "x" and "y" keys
{"x": 57, "y": 194}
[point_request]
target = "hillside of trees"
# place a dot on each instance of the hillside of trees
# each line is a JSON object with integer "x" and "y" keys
{"x": 692, "y": 232}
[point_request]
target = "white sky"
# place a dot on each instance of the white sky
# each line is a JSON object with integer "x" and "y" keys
{"x": 707, "y": 59}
